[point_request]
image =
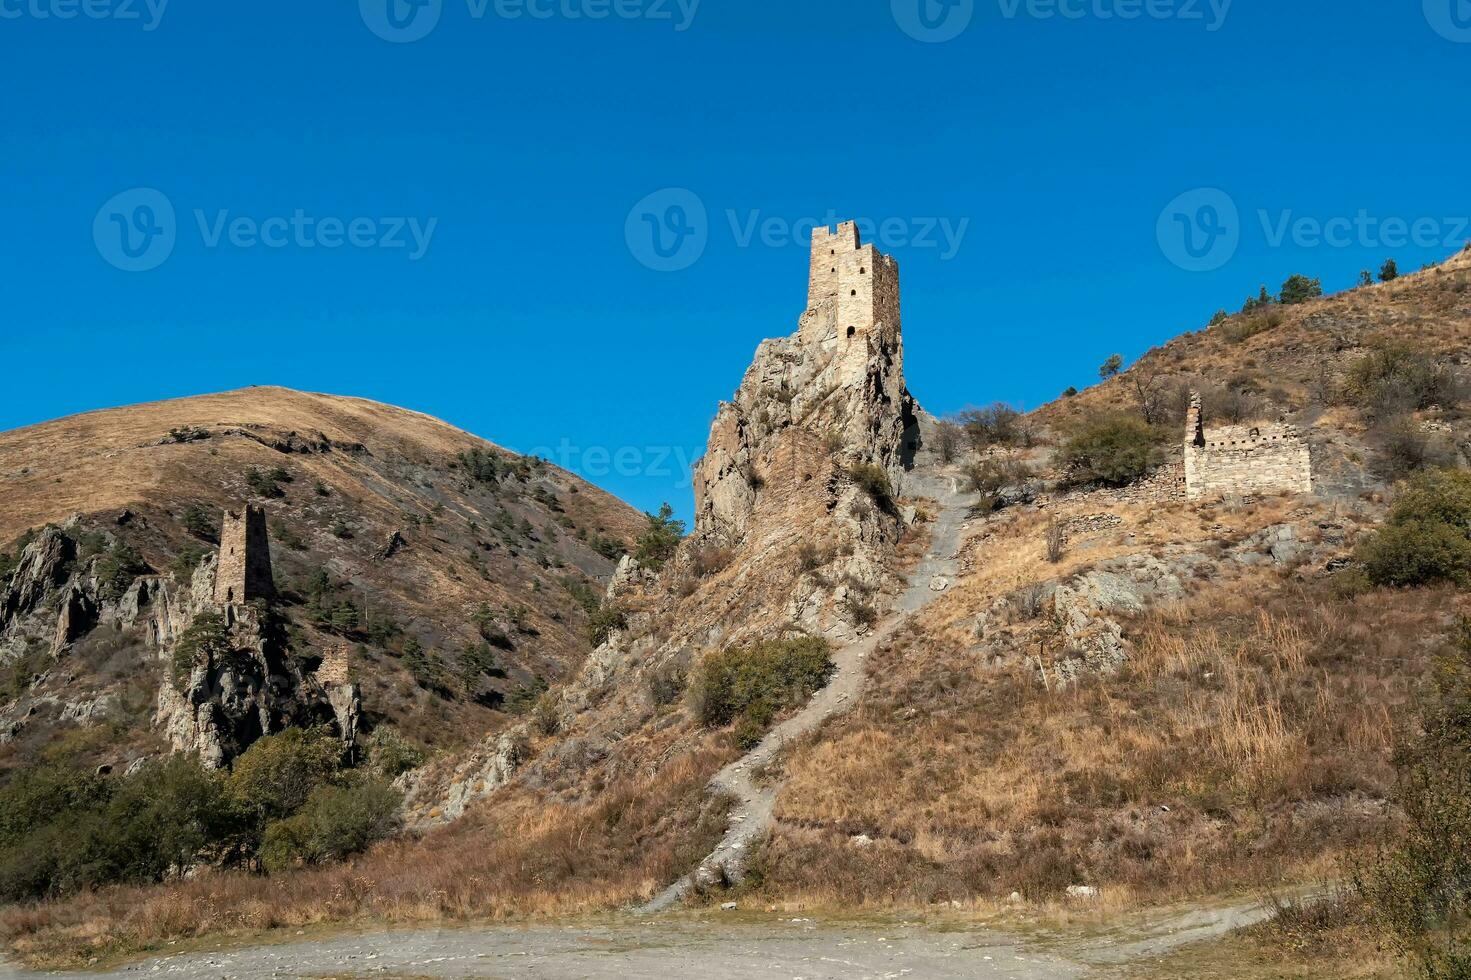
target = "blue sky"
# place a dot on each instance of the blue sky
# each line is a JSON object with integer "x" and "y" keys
{"x": 1068, "y": 146}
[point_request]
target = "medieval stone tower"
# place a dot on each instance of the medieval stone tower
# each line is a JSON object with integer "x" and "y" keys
{"x": 244, "y": 570}
{"x": 852, "y": 295}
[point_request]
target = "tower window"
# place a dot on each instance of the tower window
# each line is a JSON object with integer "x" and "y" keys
{"x": 862, "y": 271}
{"x": 852, "y": 331}
{"x": 853, "y": 293}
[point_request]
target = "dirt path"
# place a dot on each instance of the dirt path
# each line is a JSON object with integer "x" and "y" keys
{"x": 734, "y": 947}
{"x": 752, "y": 816}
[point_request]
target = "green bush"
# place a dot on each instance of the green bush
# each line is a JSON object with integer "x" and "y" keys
{"x": 660, "y": 538}
{"x": 205, "y": 640}
{"x": 335, "y": 822}
{"x": 390, "y": 755}
{"x": 63, "y": 829}
{"x": 873, "y": 480}
{"x": 1389, "y": 271}
{"x": 117, "y": 570}
{"x": 276, "y": 775}
{"x": 1428, "y": 536}
{"x": 265, "y": 483}
{"x": 201, "y": 523}
{"x": 1114, "y": 450}
{"x": 603, "y": 622}
{"x": 1300, "y": 289}
{"x": 1400, "y": 378}
{"x": 753, "y": 683}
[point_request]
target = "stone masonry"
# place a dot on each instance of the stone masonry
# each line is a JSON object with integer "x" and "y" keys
{"x": 1243, "y": 459}
{"x": 852, "y": 298}
{"x": 244, "y": 570}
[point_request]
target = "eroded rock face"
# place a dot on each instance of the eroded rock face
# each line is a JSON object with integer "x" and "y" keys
{"x": 218, "y": 709}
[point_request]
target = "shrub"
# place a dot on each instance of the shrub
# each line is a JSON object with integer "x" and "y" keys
{"x": 201, "y": 523}
{"x": 1406, "y": 449}
{"x": 1111, "y": 367}
{"x": 710, "y": 560}
{"x": 335, "y": 821}
{"x": 947, "y": 440}
{"x": 1389, "y": 271}
{"x": 873, "y": 480}
{"x": 1428, "y": 537}
{"x": 1300, "y": 289}
{"x": 264, "y": 483}
{"x": 117, "y": 570}
{"x": 390, "y": 755}
{"x": 1418, "y": 888}
{"x": 63, "y": 829}
{"x": 667, "y": 683}
{"x": 1399, "y": 378}
{"x": 660, "y": 539}
{"x": 604, "y": 622}
{"x": 1113, "y": 450}
{"x": 276, "y": 775}
{"x": 757, "y": 681}
{"x": 996, "y": 425}
{"x": 205, "y": 640}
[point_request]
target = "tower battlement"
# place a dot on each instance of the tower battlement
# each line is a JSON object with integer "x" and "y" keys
{"x": 244, "y": 570}
{"x": 860, "y": 283}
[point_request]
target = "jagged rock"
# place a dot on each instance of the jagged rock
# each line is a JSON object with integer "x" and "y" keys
{"x": 43, "y": 566}
{"x": 433, "y": 796}
{"x": 78, "y": 615}
{"x": 394, "y": 545}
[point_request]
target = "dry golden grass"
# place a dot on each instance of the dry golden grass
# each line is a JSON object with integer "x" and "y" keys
{"x": 523, "y": 857}
{"x": 1248, "y": 742}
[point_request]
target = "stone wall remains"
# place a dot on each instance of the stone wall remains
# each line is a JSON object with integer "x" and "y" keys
{"x": 1244, "y": 459}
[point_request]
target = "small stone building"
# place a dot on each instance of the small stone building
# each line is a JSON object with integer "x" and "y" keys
{"x": 1243, "y": 459}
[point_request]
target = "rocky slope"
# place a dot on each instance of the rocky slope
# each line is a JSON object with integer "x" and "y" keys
{"x": 444, "y": 580}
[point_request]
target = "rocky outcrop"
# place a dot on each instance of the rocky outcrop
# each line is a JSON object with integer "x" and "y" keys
{"x": 44, "y": 565}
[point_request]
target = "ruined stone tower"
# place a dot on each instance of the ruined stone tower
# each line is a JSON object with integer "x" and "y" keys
{"x": 1243, "y": 459}
{"x": 852, "y": 297}
{"x": 244, "y": 570}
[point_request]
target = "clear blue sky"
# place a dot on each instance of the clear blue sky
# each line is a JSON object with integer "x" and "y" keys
{"x": 531, "y": 320}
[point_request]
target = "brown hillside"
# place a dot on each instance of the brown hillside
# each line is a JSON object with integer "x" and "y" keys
{"x": 355, "y": 474}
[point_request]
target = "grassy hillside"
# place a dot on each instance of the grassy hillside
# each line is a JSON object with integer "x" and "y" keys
{"x": 409, "y": 540}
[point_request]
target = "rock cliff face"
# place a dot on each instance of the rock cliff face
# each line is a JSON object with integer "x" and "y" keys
{"x": 242, "y": 684}
{"x": 796, "y": 533}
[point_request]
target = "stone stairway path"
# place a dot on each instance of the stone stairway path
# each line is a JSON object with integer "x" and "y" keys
{"x": 753, "y": 813}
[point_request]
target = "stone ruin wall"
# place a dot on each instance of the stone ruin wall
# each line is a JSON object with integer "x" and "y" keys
{"x": 1244, "y": 459}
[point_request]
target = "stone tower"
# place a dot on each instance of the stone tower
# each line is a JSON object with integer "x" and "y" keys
{"x": 1243, "y": 459}
{"x": 244, "y": 570}
{"x": 852, "y": 296}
